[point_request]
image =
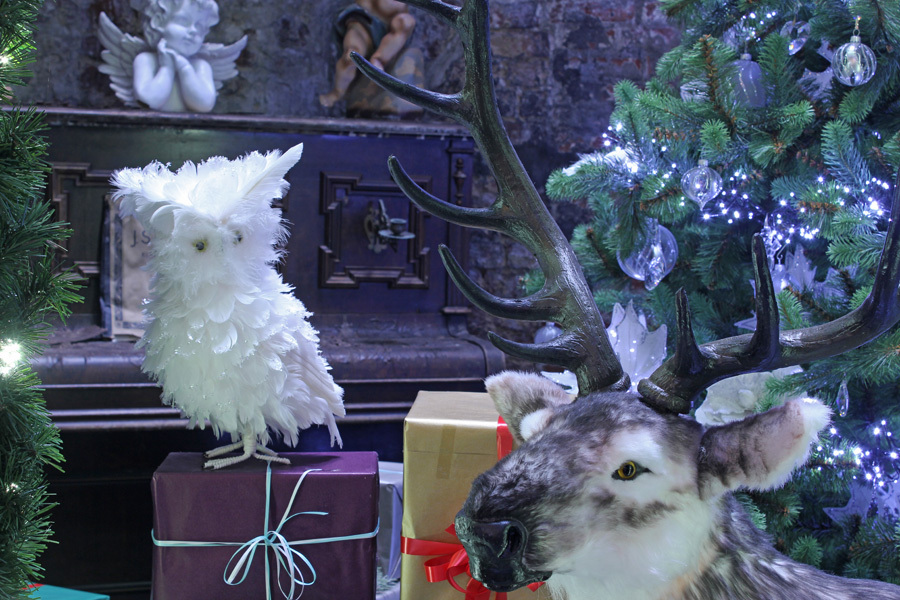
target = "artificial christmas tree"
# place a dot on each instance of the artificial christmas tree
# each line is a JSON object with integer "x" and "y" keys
{"x": 811, "y": 169}
{"x": 30, "y": 293}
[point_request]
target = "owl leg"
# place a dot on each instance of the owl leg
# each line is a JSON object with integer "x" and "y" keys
{"x": 223, "y": 449}
{"x": 251, "y": 449}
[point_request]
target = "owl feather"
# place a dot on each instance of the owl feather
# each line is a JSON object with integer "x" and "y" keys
{"x": 226, "y": 338}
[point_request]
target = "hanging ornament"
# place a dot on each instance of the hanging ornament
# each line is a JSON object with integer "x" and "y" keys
{"x": 749, "y": 88}
{"x": 816, "y": 85}
{"x": 854, "y": 62}
{"x": 861, "y": 495}
{"x": 739, "y": 34}
{"x": 654, "y": 256}
{"x": 701, "y": 184}
{"x": 796, "y": 271}
{"x": 640, "y": 351}
{"x": 694, "y": 91}
{"x": 797, "y": 32}
{"x": 547, "y": 332}
{"x": 887, "y": 499}
{"x": 843, "y": 399}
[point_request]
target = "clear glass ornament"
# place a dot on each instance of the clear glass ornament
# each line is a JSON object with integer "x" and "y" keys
{"x": 797, "y": 32}
{"x": 701, "y": 184}
{"x": 854, "y": 62}
{"x": 547, "y": 332}
{"x": 654, "y": 256}
{"x": 640, "y": 350}
{"x": 749, "y": 88}
{"x": 694, "y": 91}
{"x": 843, "y": 399}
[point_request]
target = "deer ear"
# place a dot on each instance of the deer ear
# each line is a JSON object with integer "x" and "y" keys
{"x": 525, "y": 401}
{"x": 760, "y": 451}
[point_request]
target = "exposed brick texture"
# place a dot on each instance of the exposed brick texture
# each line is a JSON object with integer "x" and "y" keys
{"x": 555, "y": 65}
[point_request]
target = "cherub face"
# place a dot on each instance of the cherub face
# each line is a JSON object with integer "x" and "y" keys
{"x": 186, "y": 30}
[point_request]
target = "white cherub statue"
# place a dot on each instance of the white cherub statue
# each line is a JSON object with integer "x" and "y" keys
{"x": 171, "y": 69}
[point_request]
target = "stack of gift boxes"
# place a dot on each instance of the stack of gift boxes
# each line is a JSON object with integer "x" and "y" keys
{"x": 259, "y": 531}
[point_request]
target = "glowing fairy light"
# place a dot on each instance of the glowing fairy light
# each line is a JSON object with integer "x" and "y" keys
{"x": 10, "y": 356}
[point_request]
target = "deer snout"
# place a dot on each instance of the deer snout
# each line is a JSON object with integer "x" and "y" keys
{"x": 496, "y": 551}
{"x": 504, "y": 540}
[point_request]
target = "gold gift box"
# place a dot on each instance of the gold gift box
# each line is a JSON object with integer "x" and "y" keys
{"x": 449, "y": 438}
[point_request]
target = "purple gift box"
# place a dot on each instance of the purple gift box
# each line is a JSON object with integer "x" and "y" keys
{"x": 211, "y": 526}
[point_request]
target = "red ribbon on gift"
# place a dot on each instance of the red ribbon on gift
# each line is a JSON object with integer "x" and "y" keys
{"x": 504, "y": 438}
{"x": 451, "y": 559}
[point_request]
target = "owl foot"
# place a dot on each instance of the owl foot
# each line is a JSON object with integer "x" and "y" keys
{"x": 250, "y": 450}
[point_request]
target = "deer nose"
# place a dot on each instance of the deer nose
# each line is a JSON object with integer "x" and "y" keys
{"x": 504, "y": 540}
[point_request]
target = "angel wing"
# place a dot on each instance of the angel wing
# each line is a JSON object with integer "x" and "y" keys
{"x": 118, "y": 58}
{"x": 221, "y": 58}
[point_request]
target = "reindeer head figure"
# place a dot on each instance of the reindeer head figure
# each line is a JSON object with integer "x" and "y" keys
{"x": 617, "y": 494}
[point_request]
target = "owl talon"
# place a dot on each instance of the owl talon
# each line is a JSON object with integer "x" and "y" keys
{"x": 251, "y": 450}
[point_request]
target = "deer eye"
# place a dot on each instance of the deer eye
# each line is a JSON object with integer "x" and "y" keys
{"x": 628, "y": 470}
{"x": 200, "y": 245}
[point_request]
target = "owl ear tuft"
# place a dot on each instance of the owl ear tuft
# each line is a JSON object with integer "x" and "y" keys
{"x": 268, "y": 182}
{"x": 136, "y": 198}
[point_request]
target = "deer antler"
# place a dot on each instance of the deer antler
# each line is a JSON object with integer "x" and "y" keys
{"x": 518, "y": 212}
{"x": 693, "y": 368}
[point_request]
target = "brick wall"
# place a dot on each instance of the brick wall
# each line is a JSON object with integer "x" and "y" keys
{"x": 555, "y": 64}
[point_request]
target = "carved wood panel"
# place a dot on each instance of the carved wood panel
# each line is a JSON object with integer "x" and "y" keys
{"x": 345, "y": 259}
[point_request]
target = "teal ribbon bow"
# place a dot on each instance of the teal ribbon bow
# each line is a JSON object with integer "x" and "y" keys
{"x": 287, "y": 557}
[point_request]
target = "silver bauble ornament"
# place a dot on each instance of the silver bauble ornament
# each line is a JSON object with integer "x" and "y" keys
{"x": 854, "y": 62}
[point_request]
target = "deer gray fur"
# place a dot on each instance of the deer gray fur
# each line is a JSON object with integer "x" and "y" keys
{"x": 618, "y": 495}
{"x": 674, "y": 532}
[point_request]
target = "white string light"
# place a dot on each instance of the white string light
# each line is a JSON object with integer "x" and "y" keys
{"x": 10, "y": 356}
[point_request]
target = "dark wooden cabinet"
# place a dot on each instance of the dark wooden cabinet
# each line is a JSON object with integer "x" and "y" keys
{"x": 390, "y": 322}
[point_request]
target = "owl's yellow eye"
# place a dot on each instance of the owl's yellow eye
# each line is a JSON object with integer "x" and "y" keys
{"x": 200, "y": 245}
{"x": 238, "y": 237}
{"x": 627, "y": 470}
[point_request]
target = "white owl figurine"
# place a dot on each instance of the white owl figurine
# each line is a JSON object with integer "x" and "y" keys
{"x": 226, "y": 338}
